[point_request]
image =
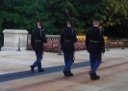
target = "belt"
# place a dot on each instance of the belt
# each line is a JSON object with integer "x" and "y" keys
{"x": 67, "y": 40}
{"x": 94, "y": 41}
{"x": 37, "y": 40}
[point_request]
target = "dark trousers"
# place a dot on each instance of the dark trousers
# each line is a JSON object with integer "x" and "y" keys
{"x": 38, "y": 59}
{"x": 68, "y": 60}
{"x": 95, "y": 61}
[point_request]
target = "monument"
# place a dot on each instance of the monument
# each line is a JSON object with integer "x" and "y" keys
{"x": 15, "y": 39}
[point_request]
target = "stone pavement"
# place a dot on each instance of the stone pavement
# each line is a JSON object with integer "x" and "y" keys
{"x": 15, "y": 73}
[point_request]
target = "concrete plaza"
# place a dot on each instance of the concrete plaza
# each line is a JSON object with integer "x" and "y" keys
{"x": 15, "y": 72}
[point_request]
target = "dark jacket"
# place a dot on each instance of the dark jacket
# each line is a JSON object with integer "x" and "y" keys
{"x": 95, "y": 40}
{"x": 37, "y": 39}
{"x": 68, "y": 38}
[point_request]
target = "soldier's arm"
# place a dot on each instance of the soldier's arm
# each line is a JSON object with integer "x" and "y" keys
{"x": 44, "y": 39}
{"x": 87, "y": 40}
{"x": 102, "y": 41}
{"x": 61, "y": 38}
{"x": 74, "y": 37}
{"x": 32, "y": 40}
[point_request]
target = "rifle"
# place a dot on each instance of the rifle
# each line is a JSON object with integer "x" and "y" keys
{"x": 39, "y": 19}
{"x": 69, "y": 18}
{"x": 37, "y": 14}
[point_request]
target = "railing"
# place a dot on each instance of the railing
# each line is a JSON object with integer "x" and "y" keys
{"x": 117, "y": 43}
{"x": 53, "y": 44}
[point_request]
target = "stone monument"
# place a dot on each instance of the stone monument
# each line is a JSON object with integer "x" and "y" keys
{"x": 15, "y": 39}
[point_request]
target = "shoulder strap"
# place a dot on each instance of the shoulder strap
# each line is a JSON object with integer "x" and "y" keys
{"x": 100, "y": 32}
{"x": 72, "y": 32}
{"x": 41, "y": 30}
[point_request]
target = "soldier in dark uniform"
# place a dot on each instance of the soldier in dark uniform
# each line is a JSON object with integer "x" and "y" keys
{"x": 95, "y": 46}
{"x": 37, "y": 39}
{"x": 68, "y": 38}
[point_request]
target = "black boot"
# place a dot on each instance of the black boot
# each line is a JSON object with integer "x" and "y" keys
{"x": 65, "y": 73}
{"x": 41, "y": 70}
{"x": 69, "y": 73}
{"x": 32, "y": 68}
{"x": 94, "y": 76}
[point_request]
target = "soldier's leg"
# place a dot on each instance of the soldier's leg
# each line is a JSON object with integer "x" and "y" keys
{"x": 92, "y": 61}
{"x": 70, "y": 60}
{"x": 40, "y": 69}
{"x": 39, "y": 58}
{"x": 97, "y": 62}
{"x": 34, "y": 64}
{"x": 69, "y": 63}
{"x": 65, "y": 60}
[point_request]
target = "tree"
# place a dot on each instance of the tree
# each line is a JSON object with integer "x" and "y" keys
{"x": 114, "y": 17}
{"x": 23, "y": 14}
{"x": 18, "y": 14}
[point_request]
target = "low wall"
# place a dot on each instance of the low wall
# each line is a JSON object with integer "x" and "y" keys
{"x": 117, "y": 43}
{"x": 53, "y": 44}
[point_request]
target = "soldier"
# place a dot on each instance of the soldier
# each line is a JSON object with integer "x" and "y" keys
{"x": 95, "y": 46}
{"x": 68, "y": 38}
{"x": 37, "y": 39}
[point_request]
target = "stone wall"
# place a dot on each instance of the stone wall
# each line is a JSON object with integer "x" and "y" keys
{"x": 14, "y": 38}
{"x": 53, "y": 44}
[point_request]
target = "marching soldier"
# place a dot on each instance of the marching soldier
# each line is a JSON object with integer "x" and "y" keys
{"x": 37, "y": 39}
{"x": 68, "y": 38}
{"x": 95, "y": 46}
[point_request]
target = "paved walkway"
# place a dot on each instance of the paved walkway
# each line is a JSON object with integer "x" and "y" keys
{"x": 15, "y": 73}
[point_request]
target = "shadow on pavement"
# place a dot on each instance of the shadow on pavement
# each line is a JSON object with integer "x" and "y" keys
{"x": 48, "y": 70}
